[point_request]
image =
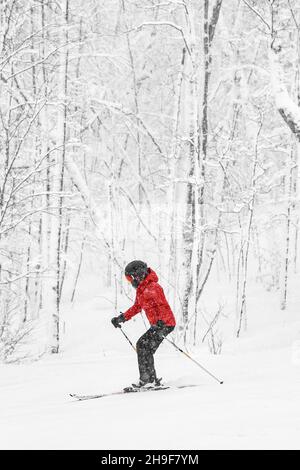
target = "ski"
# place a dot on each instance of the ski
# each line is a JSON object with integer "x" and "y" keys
{"x": 128, "y": 390}
{"x": 120, "y": 392}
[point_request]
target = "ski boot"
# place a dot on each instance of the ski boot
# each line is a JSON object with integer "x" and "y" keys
{"x": 148, "y": 384}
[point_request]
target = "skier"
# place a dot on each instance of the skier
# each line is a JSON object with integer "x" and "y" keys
{"x": 150, "y": 297}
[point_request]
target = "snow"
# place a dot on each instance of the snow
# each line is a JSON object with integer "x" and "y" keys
{"x": 257, "y": 406}
{"x": 282, "y": 98}
{"x": 102, "y": 146}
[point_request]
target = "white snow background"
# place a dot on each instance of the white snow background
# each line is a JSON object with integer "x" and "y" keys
{"x": 257, "y": 407}
{"x": 105, "y": 142}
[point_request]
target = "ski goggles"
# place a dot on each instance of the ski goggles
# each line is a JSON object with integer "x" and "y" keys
{"x": 129, "y": 278}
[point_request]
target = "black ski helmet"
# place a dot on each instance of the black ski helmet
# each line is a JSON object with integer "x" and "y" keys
{"x": 137, "y": 271}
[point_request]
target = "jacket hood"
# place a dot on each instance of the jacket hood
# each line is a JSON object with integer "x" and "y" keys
{"x": 151, "y": 277}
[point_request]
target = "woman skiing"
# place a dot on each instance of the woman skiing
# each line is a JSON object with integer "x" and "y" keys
{"x": 150, "y": 297}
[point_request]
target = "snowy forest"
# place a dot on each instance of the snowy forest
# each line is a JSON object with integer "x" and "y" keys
{"x": 162, "y": 130}
{"x": 166, "y": 131}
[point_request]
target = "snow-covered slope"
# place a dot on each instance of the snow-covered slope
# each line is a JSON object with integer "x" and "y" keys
{"x": 257, "y": 407}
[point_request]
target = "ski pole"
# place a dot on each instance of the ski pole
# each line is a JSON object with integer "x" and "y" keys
{"x": 196, "y": 362}
{"x": 127, "y": 338}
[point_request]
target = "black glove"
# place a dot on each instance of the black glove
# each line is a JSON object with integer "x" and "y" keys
{"x": 160, "y": 324}
{"x": 117, "y": 320}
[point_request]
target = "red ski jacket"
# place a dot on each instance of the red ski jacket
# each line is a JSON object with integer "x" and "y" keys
{"x": 150, "y": 297}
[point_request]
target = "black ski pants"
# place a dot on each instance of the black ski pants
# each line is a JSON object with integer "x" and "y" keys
{"x": 146, "y": 347}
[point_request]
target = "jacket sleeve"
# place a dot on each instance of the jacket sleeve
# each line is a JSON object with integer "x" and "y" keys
{"x": 136, "y": 308}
